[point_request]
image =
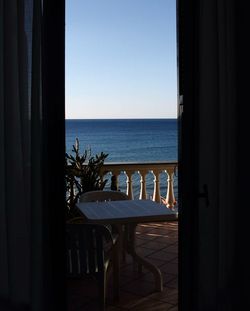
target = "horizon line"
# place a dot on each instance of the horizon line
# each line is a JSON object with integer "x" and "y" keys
{"x": 134, "y": 118}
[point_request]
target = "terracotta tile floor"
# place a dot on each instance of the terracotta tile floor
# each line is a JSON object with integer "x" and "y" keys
{"x": 158, "y": 242}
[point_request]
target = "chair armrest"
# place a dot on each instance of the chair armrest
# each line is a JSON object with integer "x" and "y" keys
{"x": 76, "y": 220}
{"x": 108, "y": 235}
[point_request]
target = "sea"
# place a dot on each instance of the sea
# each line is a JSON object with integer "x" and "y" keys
{"x": 128, "y": 140}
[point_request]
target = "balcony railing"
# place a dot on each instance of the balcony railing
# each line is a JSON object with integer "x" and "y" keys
{"x": 115, "y": 169}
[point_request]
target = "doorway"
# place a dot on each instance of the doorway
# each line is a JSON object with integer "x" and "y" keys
{"x": 121, "y": 99}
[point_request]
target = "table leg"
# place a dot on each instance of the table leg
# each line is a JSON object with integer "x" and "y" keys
{"x": 130, "y": 247}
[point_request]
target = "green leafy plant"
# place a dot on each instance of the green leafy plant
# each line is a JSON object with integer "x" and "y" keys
{"x": 83, "y": 173}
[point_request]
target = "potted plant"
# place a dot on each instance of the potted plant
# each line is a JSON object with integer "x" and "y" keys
{"x": 83, "y": 173}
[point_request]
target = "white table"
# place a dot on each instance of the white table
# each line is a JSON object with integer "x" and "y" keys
{"x": 129, "y": 213}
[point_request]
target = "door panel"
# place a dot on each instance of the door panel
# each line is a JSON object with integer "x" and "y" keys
{"x": 211, "y": 268}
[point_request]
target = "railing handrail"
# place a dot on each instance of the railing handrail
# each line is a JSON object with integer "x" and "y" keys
{"x": 140, "y": 164}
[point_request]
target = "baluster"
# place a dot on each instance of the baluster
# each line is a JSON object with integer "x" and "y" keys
{"x": 143, "y": 190}
{"x": 102, "y": 174}
{"x": 130, "y": 185}
{"x": 114, "y": 181}
{"x": 157, "y": 194}
{"x": 105, "y": 175}
{"x": 170, "y": 198}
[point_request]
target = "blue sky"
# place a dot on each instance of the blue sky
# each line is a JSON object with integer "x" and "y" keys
{"x": 121, "y": 59}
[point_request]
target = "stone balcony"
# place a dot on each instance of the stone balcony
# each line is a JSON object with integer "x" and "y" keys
{"x": 163, "y": 181}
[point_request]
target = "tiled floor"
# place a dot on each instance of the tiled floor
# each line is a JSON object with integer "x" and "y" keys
{"x": 158, "y": 242}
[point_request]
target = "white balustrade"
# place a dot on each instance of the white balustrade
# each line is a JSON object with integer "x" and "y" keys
{"x": 143, "y": 168}
{"x": 157, "y": 193}
{"x": 170, "y": 199}
{"x": 129, "y": 184}
{"x": 143, "y": 191}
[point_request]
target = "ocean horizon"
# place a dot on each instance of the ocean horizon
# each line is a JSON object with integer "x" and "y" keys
{"x": 127, "y": 140}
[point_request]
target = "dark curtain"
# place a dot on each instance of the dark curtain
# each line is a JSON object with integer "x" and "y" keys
{"x": 32, "y": 155}
{"x": 213, "y": 168}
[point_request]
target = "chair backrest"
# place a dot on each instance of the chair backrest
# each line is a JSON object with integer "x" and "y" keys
{"x": 103, "y": 195}
{"x": 85, "y": 248}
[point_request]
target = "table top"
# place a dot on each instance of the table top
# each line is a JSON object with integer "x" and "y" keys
{"x": 126, "y": 211}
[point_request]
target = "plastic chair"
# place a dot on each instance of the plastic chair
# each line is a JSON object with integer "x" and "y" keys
{"x": 108, "y": 195}
{"x": 88, "y": 255}
{"x": 103, "y": 195}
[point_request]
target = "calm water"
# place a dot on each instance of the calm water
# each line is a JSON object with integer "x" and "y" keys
{"x": 127, "y": 140}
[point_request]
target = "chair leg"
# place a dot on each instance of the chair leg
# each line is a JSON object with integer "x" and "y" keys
{"x": 124, "y": 241}
{"x": 116, "y": 274}
{"x": 102, "y": 290}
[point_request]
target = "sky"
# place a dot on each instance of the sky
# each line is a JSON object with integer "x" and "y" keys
{"x": 121, "y": 59}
